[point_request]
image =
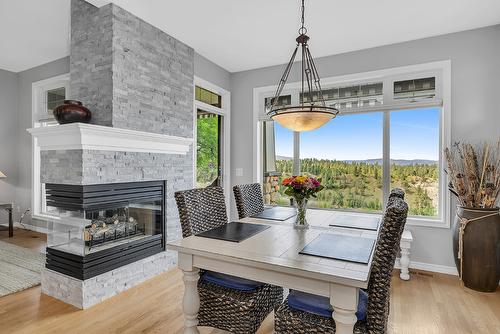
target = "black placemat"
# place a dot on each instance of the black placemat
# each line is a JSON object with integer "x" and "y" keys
{"x": 276, "y": 213}
{"x": 340, "y": 247}
{"x": 363, "y": 223}
{"x": 234, "y": 231}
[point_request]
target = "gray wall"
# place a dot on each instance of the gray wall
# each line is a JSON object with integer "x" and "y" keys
{"x": 475, "y": 61}
{"x": 8, "y": 139}
{"x": 205, "y": 69}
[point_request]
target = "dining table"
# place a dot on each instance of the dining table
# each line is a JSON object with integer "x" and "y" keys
{"x": 273, "y": 256}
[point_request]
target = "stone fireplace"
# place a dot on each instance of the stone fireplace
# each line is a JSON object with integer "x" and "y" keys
{"x": 138, "y": 83}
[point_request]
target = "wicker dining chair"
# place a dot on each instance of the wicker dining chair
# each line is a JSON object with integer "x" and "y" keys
{"x": 288, "y": 320}
{"x": 249, "y": 200}
{"x": 237, "y": 311}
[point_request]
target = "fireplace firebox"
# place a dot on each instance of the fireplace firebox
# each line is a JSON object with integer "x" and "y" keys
{"x": 101, "y": 227}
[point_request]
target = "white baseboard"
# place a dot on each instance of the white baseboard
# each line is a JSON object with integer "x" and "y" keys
{"x": 436, "y": 268}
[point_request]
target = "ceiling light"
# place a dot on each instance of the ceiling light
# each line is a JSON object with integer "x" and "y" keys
{"x": 312, "y": 111}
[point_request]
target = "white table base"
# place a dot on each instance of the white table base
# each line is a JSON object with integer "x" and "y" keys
{"x": 404, "y": 260}
{"x": 343, "y": 298}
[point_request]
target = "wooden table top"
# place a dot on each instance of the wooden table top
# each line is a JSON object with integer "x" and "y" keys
{"x": 277, "y": 248}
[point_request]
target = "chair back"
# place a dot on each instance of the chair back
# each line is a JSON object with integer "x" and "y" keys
{"x": 201, "y": 209}
{"x": 386, "y": 250}
{"x": 249, "y": 200}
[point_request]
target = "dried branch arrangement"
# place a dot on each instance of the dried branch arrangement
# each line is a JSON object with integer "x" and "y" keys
{"x": 474, "y": 173}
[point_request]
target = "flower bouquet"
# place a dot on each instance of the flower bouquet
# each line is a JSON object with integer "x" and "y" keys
{"x": 301, "y": 188}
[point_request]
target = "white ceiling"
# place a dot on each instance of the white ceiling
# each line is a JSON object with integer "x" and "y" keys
{"x": 240, "y": 35}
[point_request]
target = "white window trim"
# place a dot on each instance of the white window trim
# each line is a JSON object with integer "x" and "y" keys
{"x": 37, "y": 88}
{"x": 440, "y": 69}
{"x": 225, "y": 111}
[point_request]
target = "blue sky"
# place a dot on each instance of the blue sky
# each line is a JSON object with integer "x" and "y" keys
{"x": 414, "y": 135}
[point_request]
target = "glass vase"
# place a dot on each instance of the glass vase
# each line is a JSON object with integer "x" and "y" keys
{"x": 300, "y": 220}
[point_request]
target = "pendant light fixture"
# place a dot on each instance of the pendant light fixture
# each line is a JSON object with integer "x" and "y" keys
{"x": 312, "y": 111}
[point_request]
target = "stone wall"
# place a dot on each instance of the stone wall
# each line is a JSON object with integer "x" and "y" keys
{"x": 129, "y": 73}
{"x": 152, "y": 78}
{"x": 91, "y": 59}
{"x": 84, "y": 167}
{"x": 271, "y": 188}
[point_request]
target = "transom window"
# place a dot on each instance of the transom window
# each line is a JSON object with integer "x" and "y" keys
{"x": 208, "y": 97}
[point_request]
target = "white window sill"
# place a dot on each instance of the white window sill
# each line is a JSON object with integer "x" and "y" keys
{"x": 427, "y": 222}
{"x": 410, "y": 221}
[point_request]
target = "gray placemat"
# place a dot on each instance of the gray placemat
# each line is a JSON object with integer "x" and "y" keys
{"x": 340, "y": 247}
{"x": 363, "y": 223}
{"x": 234, "y": 231}
{"x": 276, "y": 213}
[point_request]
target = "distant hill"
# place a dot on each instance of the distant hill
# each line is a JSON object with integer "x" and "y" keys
{"x": 399, "y": 162}
{"x": 280, "y": 157}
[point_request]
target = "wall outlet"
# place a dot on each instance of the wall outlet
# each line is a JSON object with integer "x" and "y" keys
{"x": 239, "y": 171}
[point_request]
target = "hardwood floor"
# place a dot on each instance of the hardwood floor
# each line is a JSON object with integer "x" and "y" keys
{"x": 26, "y": 239}
{"x": 428, "y": 303}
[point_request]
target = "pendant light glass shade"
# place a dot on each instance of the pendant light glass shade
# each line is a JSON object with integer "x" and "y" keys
{"x": 306, "y": 116}
{"x": 303, "y": 118}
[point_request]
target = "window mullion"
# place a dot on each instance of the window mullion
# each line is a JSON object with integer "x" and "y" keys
{"x": 386, "y": 158}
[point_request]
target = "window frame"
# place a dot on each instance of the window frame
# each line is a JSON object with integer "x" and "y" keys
{"x": 225, "y": 112}
{"x": 37, "y": 111}
{"x": 442, "y": 99}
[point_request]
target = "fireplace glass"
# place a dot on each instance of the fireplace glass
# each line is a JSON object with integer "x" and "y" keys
{"x": 92, "y": 219}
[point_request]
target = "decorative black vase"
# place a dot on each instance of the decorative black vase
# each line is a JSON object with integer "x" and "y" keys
{"x": 72, "y": 111}
{"x": 481, "y": 248}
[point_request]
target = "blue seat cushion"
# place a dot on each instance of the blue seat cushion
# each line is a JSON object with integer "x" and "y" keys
{"x": 320, "y": 305}
{"x": 231, "y": 282}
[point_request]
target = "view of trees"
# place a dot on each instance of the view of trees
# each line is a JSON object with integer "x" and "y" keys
{"x": 358, "y": 185}
{"x": 207, "y": 151}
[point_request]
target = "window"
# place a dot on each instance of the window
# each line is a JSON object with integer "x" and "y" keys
{"x": 284, "y": 159}
{"x": 211, "y": 124}
{"x": 347, "y": 155}
{"x": 352, "y": 96}
{"x": 415, "y": 162}
{"x": 415, "y": 88}
{"x": 55, "y": 97}
{"x": 208, "y": 143}
{"x": 208, "y": 97}
{"x": 390, "y": 133}
{"x": 47, "y": 95}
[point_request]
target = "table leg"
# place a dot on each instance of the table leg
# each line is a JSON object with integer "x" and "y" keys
{"x": 344, "y": 300}
{"x": 191, "y": 301}
{"x": 405, "y": 263}
{"x": 11, "y": 224}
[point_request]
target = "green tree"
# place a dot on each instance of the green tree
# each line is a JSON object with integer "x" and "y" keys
{"x": 207, "y": 150}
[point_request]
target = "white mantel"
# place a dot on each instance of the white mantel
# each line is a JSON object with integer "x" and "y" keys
{"x": 76, "y": 136}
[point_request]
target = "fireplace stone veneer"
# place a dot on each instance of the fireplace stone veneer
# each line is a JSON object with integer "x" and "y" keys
{"x": 133, "y": 77}
{"x": 86, "y": 293}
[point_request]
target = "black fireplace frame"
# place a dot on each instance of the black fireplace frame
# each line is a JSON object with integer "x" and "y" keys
{"x": 105, "y": 196}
